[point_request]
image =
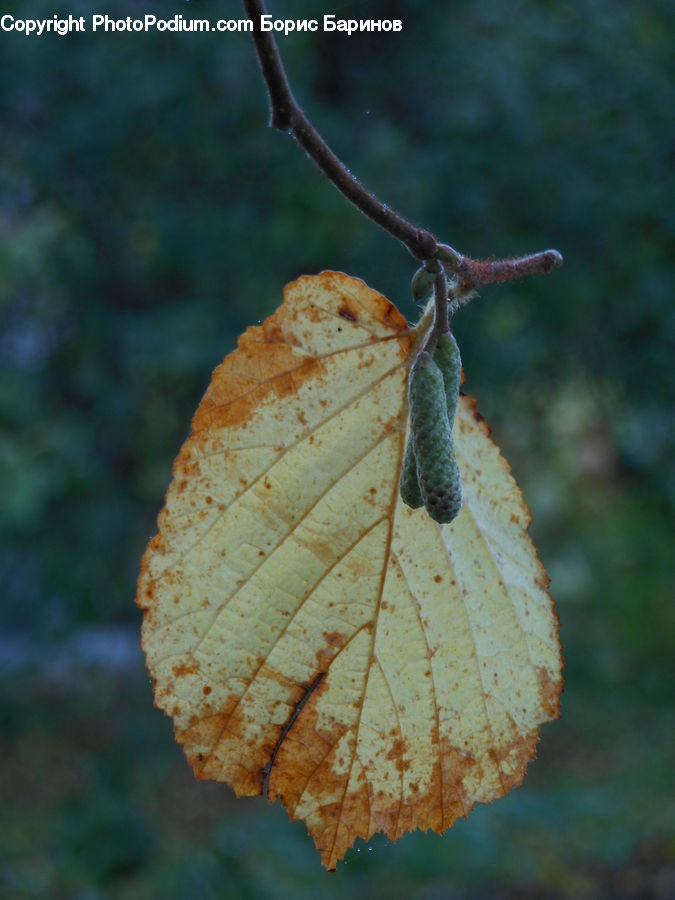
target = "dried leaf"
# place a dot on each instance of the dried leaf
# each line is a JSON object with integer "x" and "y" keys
{"x": 313, "y": 636}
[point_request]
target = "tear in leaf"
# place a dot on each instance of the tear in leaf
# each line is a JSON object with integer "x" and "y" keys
{"x": 310, "y": 633}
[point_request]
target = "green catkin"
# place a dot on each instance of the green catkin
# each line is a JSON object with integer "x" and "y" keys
{"x": 437, "y": 471}
{"x": 449, "y": 361}
{"x": 409, "y": 485}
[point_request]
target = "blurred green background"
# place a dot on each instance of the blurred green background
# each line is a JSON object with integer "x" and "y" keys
{"x": 147, "y": 216}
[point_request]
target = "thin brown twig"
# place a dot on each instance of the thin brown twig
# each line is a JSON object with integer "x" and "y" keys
{"x": 472, "y": 273}
{"x": 287, "y": 115}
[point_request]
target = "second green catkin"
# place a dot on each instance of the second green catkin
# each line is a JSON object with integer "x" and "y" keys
{"x": 437, "y": 471}
{"x": 449, "y": 361}
{"x": 409, "y": 485}
{"x": 447, "y": 358}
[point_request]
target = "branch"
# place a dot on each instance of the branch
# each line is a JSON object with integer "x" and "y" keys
{"x": 287, "y": 115}
{"x": 472, "y": 273}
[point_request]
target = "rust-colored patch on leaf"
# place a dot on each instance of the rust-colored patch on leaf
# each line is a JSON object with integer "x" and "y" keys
{"x": 306, "y": 630}
{"x": 185, "y": 669}
{"x": 396, "y": 750}
{"x": 355, "y": 295}
{"x": 233, "y": 398}
{"x": 512, "y": 758}
{"x": 550, "y": 692}
{"x": 346, "y": 313}
{"x": 333, "y": 643}
{"x": 305, "y": 751}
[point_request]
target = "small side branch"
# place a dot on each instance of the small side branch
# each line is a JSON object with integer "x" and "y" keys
{"x": 473, "y": 273}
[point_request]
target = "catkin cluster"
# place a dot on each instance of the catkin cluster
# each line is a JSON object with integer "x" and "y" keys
{"x": 430, "y": 475}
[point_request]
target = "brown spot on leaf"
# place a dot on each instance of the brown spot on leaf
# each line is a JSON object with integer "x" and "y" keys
{"x": 272, "y": 333}
{"x": 333, "y": 638}
{"x": 472, "y": 406}
{"x": 397, "y": 749}
{"x": 334, "y": 642}
{"x": 390, "y": 312}
{"x": 185, "y": 669}
{"x": 346, "y": 313}
{"x": 542, "y": 581}
{"x": 550, "y": 692}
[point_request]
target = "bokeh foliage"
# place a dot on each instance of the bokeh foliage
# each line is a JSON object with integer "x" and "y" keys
{"x": 147, "y": 216}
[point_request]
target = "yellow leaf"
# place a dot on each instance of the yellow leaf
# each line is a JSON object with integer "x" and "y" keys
{"x": 308, "y": 632}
